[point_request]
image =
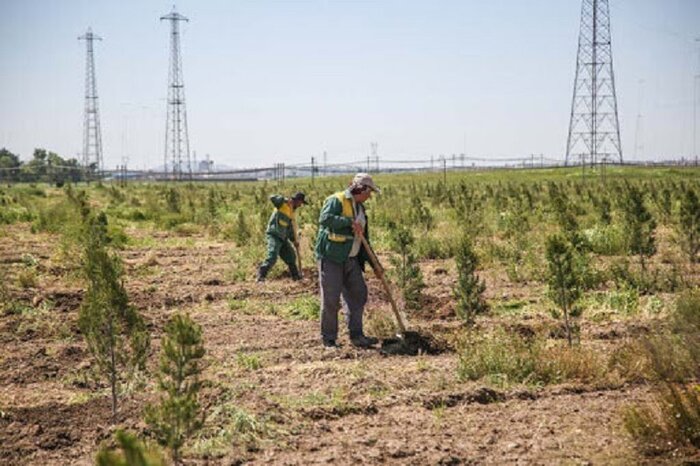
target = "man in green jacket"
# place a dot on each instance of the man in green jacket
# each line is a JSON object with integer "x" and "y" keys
{"x": 341, "y": 260}
{"x": 281, "y": 229}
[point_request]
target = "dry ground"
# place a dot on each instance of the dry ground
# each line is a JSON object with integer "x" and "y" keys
{"x": 275, "y": 396}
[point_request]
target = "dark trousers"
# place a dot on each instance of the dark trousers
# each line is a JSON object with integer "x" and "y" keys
{"x": 282, "y": 248}
{"x": 344, "y": 280}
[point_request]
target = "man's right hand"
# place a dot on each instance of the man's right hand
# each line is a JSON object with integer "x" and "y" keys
{"x": 357, "y": 228}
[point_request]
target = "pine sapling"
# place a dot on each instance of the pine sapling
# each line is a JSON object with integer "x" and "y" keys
{"x": 689, "y": 222}
{"x": 172, "y": 199}
{"x": 241, "y": 232}
{"x": 639, "y": 225}
{"x": 469, "y": 290}
{"x": 563, "y": 280}
{"x": 114, "y": 331}
{"x": 178, "y": 415}
{"x": 406, "y": 266}
{"x": 420, "y": 215}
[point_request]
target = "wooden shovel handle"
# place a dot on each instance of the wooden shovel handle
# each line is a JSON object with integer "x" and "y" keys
{"x": 297, "y": 246}
{"x": 379, "y": 272}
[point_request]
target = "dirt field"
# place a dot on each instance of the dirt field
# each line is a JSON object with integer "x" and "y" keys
{"x": 274, "y": 394}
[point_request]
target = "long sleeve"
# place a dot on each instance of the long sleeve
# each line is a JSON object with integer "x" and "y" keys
{"x": 331, "y": 217}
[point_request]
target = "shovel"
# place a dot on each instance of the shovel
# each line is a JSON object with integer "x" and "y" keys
{"x": 406, "y": 342}
{"x": 379, "y": 272}
{"x": 297, "y": 246}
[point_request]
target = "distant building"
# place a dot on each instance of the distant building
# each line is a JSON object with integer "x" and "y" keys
{"x": 204, "y": 166}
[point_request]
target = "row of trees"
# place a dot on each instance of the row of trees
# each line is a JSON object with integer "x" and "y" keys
{"x": 45, "y": 166}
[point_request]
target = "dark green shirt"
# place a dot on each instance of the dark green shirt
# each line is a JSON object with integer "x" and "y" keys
{"x": 281, "y": 220}
{"x": 335, "y": 235}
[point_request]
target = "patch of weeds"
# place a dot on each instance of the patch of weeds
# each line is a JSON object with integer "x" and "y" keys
{"x": 503, "y": 359}
{"x": 305, "y": 307}
{"x": 671, "y": 422}
{"x": 429, "y": 247}
{"x": 7, "y": 306}
{"x": 380, "y": 325}
{"x": 510, "y": 307}
{"x": 39, "y": 321}
{"x": 378, "y": 390}
{"x": 653, "y": 305}
{"x": 422, "y": 364}
{"x": 439, "y": 414}
{"x": 27, "y": 278}
{"x": 187, "y": 229}
{"x": 624, "y": 300}
{"x": 239, "y": 305}
{"x": 244, "y": 262}
{"x": 83, "y": 378}
{"x": 226, "y": 426}
{"x": 606, "y": 240}
{"x": 29, "y": 261}
{"x": 82, "y": 397}
{"x": 248, "y": 361}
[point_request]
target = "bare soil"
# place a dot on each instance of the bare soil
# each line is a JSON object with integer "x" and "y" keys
{"x": 312, "y": 406}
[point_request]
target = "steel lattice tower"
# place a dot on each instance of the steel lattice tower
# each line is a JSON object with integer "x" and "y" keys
{"x": 92, "y": 136}
{"x": 594, "y": 129}
{"x": 177, "y": 144}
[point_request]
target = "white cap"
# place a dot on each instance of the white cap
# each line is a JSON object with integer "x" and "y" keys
{"x": 363, "y": 179}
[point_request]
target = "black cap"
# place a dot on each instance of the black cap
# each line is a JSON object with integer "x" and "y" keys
{"x": 300, "y": 197}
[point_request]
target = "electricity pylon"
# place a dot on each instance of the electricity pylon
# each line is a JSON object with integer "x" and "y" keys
{"x": 92, "y": 136}
{"x": 177, "y": 144}
{"x": 594, "y": 128}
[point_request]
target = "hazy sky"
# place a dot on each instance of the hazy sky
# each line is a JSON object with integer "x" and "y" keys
{"x": 280, "y": 81}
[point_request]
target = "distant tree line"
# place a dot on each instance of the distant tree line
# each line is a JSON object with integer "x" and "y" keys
{"x": 45, "y": 166}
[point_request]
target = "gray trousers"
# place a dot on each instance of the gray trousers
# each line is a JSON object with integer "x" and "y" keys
{"x": 344, "y": 280}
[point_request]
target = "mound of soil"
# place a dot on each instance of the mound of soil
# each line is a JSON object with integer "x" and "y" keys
{"x": 412, "y": 344}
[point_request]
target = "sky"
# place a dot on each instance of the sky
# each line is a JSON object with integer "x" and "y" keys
{"x": 282, "y": 81}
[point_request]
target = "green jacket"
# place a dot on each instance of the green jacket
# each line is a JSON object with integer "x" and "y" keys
{"x": 335, "y": 235}
{"x": 282, "y": 220}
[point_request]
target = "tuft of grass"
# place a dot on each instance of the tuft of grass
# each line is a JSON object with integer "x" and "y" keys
{"x": 228, "y": 425}
{"x": 239, "y": 305}
{"x": 248, "y": 361}
{"x": 305, "y": 307}
{"x": 27, "y": 278}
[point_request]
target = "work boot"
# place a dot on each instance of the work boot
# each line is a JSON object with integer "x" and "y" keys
{"x": 330, "y": 344}
{"x": 362, "y": 341}
{"x": 294, "y": 272}
{"x": 262, "y": 273}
